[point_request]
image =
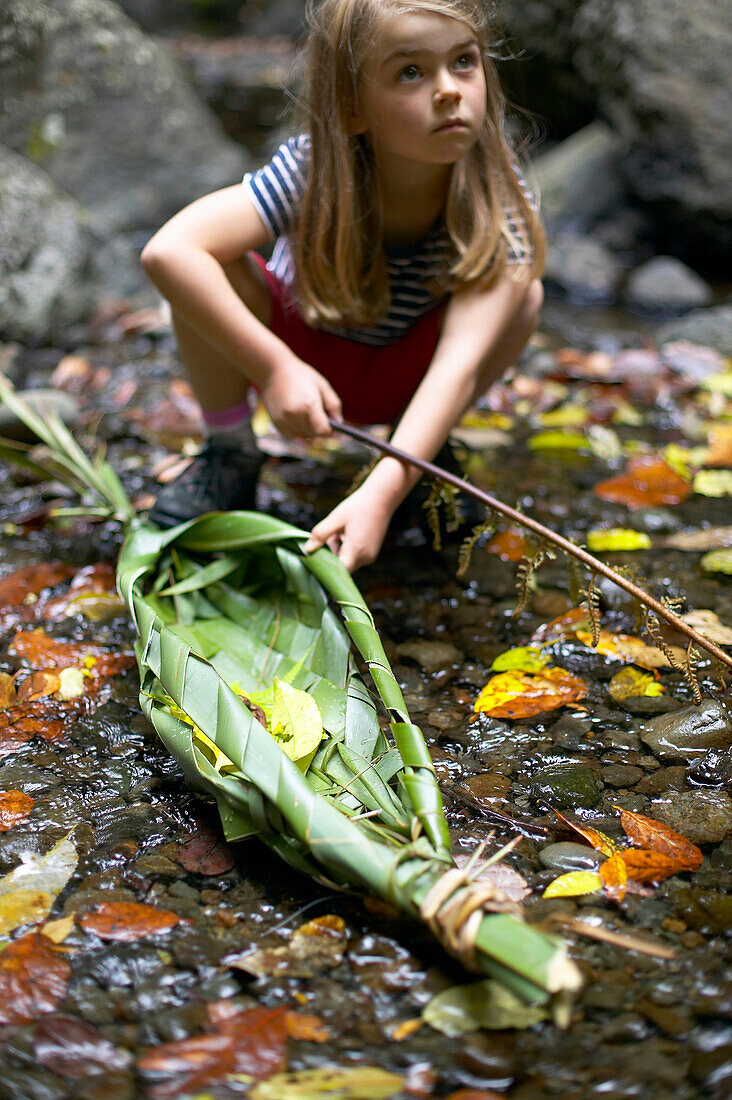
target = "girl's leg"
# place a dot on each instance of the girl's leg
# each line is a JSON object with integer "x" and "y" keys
{"x": 513, "y": 341}
{"x": 223, "y": 477}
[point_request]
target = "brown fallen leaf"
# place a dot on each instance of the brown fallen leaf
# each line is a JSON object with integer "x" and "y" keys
{"x": 8, "y": 694}
{"x": 708, "y": 538}
{"x": 33, "y": 979}
{"x": 645, "y": 832}
{"x": 38, "y": 685}
{"x": 598, "y": 840}
{"x": 41, "y": 651}
{"x": 523, "y": 694}
{"x": 645, "y": 865}
{"x": 614, "y": 875}
{"x": 720, "y": 446}
{"x": 306, "y": 1028}
{"x": 648, "y": 482}
{"x": 204, "y": 853}
{"x": 708, "y": 624}
{"x": 249, "y": 1041}
{"x": 625, "y": 647}
{"x": 25, "y": 585}
{"x": 15, "y": 806}
{"x": 125, "y": 921}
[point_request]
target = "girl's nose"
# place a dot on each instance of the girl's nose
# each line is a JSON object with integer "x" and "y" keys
{"x": 447, "y": 89}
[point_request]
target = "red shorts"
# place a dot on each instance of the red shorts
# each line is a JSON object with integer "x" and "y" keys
{"x": 375, "y": 384}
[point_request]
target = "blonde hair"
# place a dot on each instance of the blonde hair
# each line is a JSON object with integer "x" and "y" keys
{"x": 341, "y": 274}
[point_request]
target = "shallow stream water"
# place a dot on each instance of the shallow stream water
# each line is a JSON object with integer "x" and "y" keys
{"x": 644, "y": 1026}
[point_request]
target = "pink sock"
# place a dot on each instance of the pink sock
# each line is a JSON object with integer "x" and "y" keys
{"x": 230, "y": 427}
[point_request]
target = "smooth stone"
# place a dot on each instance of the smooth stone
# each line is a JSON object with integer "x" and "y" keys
{"x": 687, "y": 734}
{"x": 666, "y": 286}
{"x": 431, "y": 655}
{"x": 712, "y": 770}
{"x": 568, "y": 856}
{"x": 665, "y": 779}
{"x": 565, "y": 785}
{"x": 621, "y": 775}
{"x": 703, "y": 817}
{"x": 583, "y": 269}
{"x": 708, "y": 327}
{"x": 706, "y": 911}
{"x": 489, "y": 787}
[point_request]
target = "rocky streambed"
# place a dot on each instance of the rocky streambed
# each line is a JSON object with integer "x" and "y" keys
{"x": 252, "y": 972}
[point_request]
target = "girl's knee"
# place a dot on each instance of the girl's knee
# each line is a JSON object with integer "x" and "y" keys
{"x": 533, "y": 300}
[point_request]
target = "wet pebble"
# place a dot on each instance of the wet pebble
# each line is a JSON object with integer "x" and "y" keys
{"x": 687, "y": 734}
{"x": 488, "y": 787}
{"x": 565, "y": 785}
{"x": 490, "y": 1060}
{"x": 703, "y": 910}
{"x": 713, "y": 770}
{"x": 704, "y": 817}
{"x": 621, "y": 775}
{"x": 664, "y": 779}
{"x": 431, "y": 655}
{"x": 568, "y": 856}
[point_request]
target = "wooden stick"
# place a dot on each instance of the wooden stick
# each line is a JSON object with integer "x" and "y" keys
{"x": 539, "y": 529}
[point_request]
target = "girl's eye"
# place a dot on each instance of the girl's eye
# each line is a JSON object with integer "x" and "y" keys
{"x": 408, "y": 73}
{"x": 465, "y": 61}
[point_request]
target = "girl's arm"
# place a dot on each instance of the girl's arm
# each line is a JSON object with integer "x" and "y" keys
{"x": 477, "y": 322}
{"x": 186, "y": 260}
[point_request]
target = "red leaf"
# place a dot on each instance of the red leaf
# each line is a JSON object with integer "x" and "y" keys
{"x": 645, "y": 832}
{"x": 125, "y": 921}
{"x": 42, "y": 651}
{"x": 15, "y": 806}
{"x": 204, "y": 853}
{"x": 647, "y": 483}
{"x": 251, "y": 1041}
{"x": 33, "y": 978}
{"x": 76, "y": 1050}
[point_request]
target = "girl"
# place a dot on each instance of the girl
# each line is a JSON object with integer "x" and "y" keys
{"x": 403, "y": 278}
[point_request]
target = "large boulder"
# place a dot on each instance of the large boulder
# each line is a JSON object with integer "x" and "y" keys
{"x": 662, "y": 72}
{"x": 56, "y": 262}
{"x": 106, "y": 113}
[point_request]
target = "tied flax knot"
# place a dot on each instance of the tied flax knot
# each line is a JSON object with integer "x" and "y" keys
{"x": 454, "y": 908}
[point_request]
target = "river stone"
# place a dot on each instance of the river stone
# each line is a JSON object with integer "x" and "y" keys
{"x": 582, "y": 269}
{"x": 568, "y": 856}
{"x": 666, "y": 287}
{"x": 431, "y": 655}
{"x": 661, "y": 70}
{"x": 687, "y": 734}
{"x": 567, "y": 786}
{"x": 579, "y": 180}
{"x": 57, "y": 262}
{"x": 703, "y": 817}
{"x": 706, "y": 327}
{"x": 712, "y": 770}
{"x": 88, "y": 97}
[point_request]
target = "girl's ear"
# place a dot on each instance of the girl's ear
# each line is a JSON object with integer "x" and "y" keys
{"x": 355, "y": 123}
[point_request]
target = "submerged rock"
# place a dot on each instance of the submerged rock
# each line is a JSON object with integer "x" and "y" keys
{"x": 687, "y": 734}
{"x": 666, "y": 287}
{"x": 568, "y": 856}
{"x": 703, "y": 817}
{"x": 566, "y": 785}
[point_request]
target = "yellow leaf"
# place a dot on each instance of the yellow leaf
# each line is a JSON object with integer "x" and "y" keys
{"x": 58, "y": 930}
{"x": 719, "y": 383}
{"x": 630, "y": 681}
{"x": 564, "y": 441}
{"x": 524, "y": 658}
{"x": 617, "y": 538}
{"x": 574, "y": 884}
{"x": 522, "y": 694}
{"x": 340, "y": 1083}
{"x": 567, "y": 416}
{"x": 624, "y": 647}
{"x": 713, "y": 483}
{"x": 477, "y": 419}
{"x": 708, "y": 624}
{"x": 717, "y": 561}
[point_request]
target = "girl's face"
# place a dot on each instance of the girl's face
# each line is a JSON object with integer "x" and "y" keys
{"x": 423, "y": 91}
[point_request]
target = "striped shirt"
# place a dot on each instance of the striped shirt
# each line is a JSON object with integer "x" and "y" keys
{"x": 277, "y": 190}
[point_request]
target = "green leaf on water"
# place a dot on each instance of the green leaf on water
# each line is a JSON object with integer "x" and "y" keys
{"x": 564, "y": 441}
{"x": 348, "y": 1083}
{"x": 718, "y": 561}
{"x": 713, "y": 483}
{"x": 28, "y": 892}
{"x": 574, "y": 884}
{"x": 525, "y": 658}
{"x": 485, "y": 1004}
{"x": 617, "y": 538}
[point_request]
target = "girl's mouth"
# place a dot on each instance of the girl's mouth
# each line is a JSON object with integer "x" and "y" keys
{"x": 451, "y": 124}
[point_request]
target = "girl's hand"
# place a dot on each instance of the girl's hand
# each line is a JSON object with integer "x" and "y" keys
{"x": 354, "y": 530}
{"x": 299, "y": 400}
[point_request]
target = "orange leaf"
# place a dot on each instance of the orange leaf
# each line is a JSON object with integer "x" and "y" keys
{"x": 15, "y": 807}
{"x": 33, "y": 978}
{"x": 720, "y": 445}
{"x": 37, "y": 685}
{"x": 645, "y": 832}
{"x": 250, "y": 1041}
{"x": 40, "y": 650}
{"x": 523, "y": 694}
{"x": 509, "y": 545}
{"x": 310, "y": 1029}
{"x": 644, "y": 865}
{"x": 569, "y": 623}
{"x": 125, "y": 921}
{"x": 647, "y": 483}
{"x": 45, "y": 718}
{"x": 30, "y": 581}
{"x": 8, "y": 694}
{"x": 626, "y": 647}
{"x": 614, "y": 874}
{"x": 598, "y": 840}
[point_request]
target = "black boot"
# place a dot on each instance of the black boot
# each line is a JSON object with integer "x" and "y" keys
{"x": 219, "y": 479}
